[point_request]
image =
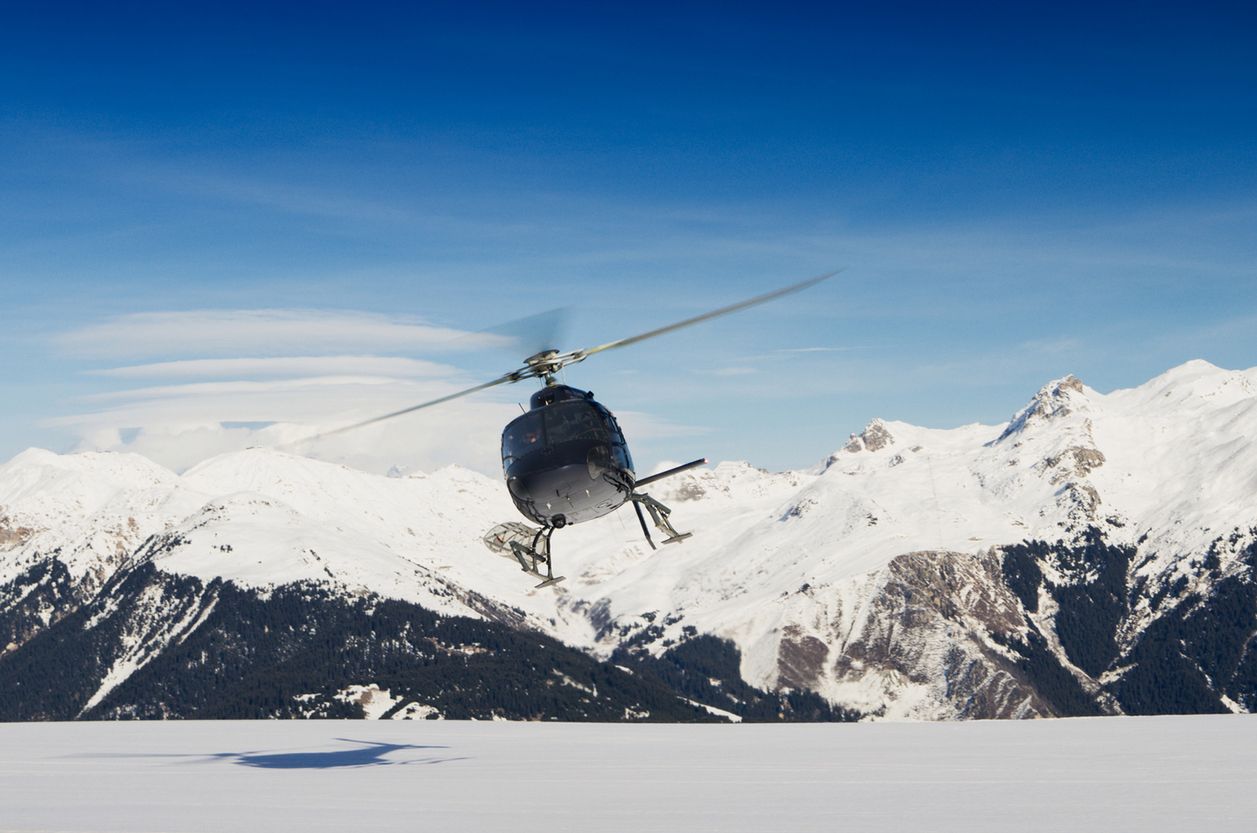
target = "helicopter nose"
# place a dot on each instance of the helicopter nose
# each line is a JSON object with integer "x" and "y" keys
{"x": 553, "y": 493}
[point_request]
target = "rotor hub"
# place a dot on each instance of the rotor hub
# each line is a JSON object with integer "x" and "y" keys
{"x": 544, "y": 365}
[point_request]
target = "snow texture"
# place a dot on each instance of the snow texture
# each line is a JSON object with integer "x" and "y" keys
{"x": 1137, "y": 774}
{"x": 1167, "y": 467}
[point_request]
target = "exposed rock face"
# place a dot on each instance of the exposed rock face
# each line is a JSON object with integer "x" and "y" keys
{"x": 1054, "y": 401}
{"x": 1073, "y": 462}
{"x": 875, "y": 437}
{"x": 941, "y": 624}
{"x": 1039, "y": 630}
{"x": 11, "y": 536}
{"x": 802, "y": 658}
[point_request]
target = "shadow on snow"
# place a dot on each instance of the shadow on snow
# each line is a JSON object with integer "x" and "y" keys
{"x": 365, "y": 754}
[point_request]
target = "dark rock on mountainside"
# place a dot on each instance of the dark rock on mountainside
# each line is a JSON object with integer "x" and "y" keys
{"x": 181, "y": 648}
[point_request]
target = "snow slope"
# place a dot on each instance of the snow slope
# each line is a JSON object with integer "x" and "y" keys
{"x": 1144, "y": 774}
{"x": 793, "y": 567}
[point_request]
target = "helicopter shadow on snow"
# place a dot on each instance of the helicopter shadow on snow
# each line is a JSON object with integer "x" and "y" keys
{"x": 365, "y": 754}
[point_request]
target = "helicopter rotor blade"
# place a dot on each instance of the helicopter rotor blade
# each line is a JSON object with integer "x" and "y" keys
{"x": 581, "y": 355}
{"x": 513, "y": 376}
{"x": 535, "y": 333}
{"x": 544, "y": 365}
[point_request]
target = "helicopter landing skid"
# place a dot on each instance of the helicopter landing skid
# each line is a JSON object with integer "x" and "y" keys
{"x": 659, "y": 515}
{"x": 530, "y": 559}
{"x": 528, "y": 546}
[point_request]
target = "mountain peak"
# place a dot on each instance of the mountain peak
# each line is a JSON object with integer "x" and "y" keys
{"x": 1198, "y": 381}
{"x": 1055, "y": 400}
{"x": 874, "y": 437}
{"x": 38, "y": 465}
{"x": 1192, "y": 368}
{"x": 34, "y": 456}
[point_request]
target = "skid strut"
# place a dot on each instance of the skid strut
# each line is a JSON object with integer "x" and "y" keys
{"x": 659, "y": 515}
{"x": 532, "y": 556}
{"x": 525, "y": 545}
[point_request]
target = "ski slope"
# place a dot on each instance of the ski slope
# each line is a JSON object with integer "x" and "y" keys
{"x": 1110, "y": 774}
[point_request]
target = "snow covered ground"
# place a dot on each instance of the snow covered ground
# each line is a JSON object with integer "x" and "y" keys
{"x": 1112, "y": 774}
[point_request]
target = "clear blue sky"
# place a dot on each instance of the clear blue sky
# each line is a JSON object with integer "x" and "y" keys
{"x": 1015, "y": 191}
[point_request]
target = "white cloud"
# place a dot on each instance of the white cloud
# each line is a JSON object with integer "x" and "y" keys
{"x": 263, "y": 332}
{"x": 246, "y": 388}
{"x": 792, "y": 350}
{"x": 217, "y": 381}
{"x": 251, "y": 368}
{"x": 180, "y": 425}
{"x": 638, "y": 425}
{"x": 1052, "y": 346}
{"x": 319, "y": 402}
{"x": 252, "y": 378}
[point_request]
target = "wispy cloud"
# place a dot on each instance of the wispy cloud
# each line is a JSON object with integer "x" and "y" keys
{"x": 643, "y": 426}
{"x": 268, "y": 332}
{"x": 278, "y": 196}
{"x": 241, "y": 387}
{"x": 246, "y": 368}
{"x": 1051, "y": 346}
{"x": 851, "y": 349}
{"x": 317, "y": 401}
{"x": 253, "y": 377}
{"x": 180, "y": 425}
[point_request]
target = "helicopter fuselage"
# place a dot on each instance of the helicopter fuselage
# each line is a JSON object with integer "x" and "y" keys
{"x": 565, "y": 460}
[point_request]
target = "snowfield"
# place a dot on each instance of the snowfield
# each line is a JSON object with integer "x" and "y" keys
{"x": 876, "y": 579}
{"x": 1108, "y": 774}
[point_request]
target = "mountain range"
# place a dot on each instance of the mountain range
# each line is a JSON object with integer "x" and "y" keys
{"x": 1096, "y": 554}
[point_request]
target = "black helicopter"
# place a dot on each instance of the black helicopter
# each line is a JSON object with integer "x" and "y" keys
{"x": 566, "y": 460}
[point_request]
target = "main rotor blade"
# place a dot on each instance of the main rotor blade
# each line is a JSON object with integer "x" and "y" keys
{"x": 513, "y": 376}
{"x": 558, "y": 361}
{"x": 535, "y": 333}
{"x": 707, "y": 316}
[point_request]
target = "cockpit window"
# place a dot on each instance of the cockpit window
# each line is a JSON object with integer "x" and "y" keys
{"x": 551, "y": 426}
{"x": 619, "y": 447}
{"x": 523, "y": 436}
{"x": 574, "y": 420}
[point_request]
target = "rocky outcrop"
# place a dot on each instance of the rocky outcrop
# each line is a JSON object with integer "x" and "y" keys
{"x": 940, "y": 624}
{"x": 1054, "y": 401}
{"x": 874, "y": 437}
{"x": 12, "y": 535}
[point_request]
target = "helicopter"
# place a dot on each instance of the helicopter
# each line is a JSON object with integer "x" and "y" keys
{"x": 566, "y": 460}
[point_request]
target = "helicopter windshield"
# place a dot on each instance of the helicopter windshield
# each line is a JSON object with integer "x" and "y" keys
{"x": 574, "y": 420}
{"x": 573, "y": 424}
{"x": 523, "y": 436}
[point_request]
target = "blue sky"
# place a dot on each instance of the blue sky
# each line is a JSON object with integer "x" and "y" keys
{"x": 1015, "y": 192}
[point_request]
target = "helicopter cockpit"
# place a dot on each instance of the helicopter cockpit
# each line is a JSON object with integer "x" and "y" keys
{"x": 564, "y": 422}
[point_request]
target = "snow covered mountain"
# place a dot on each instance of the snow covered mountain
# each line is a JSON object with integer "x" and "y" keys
{"x": 1096, "y": 554}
